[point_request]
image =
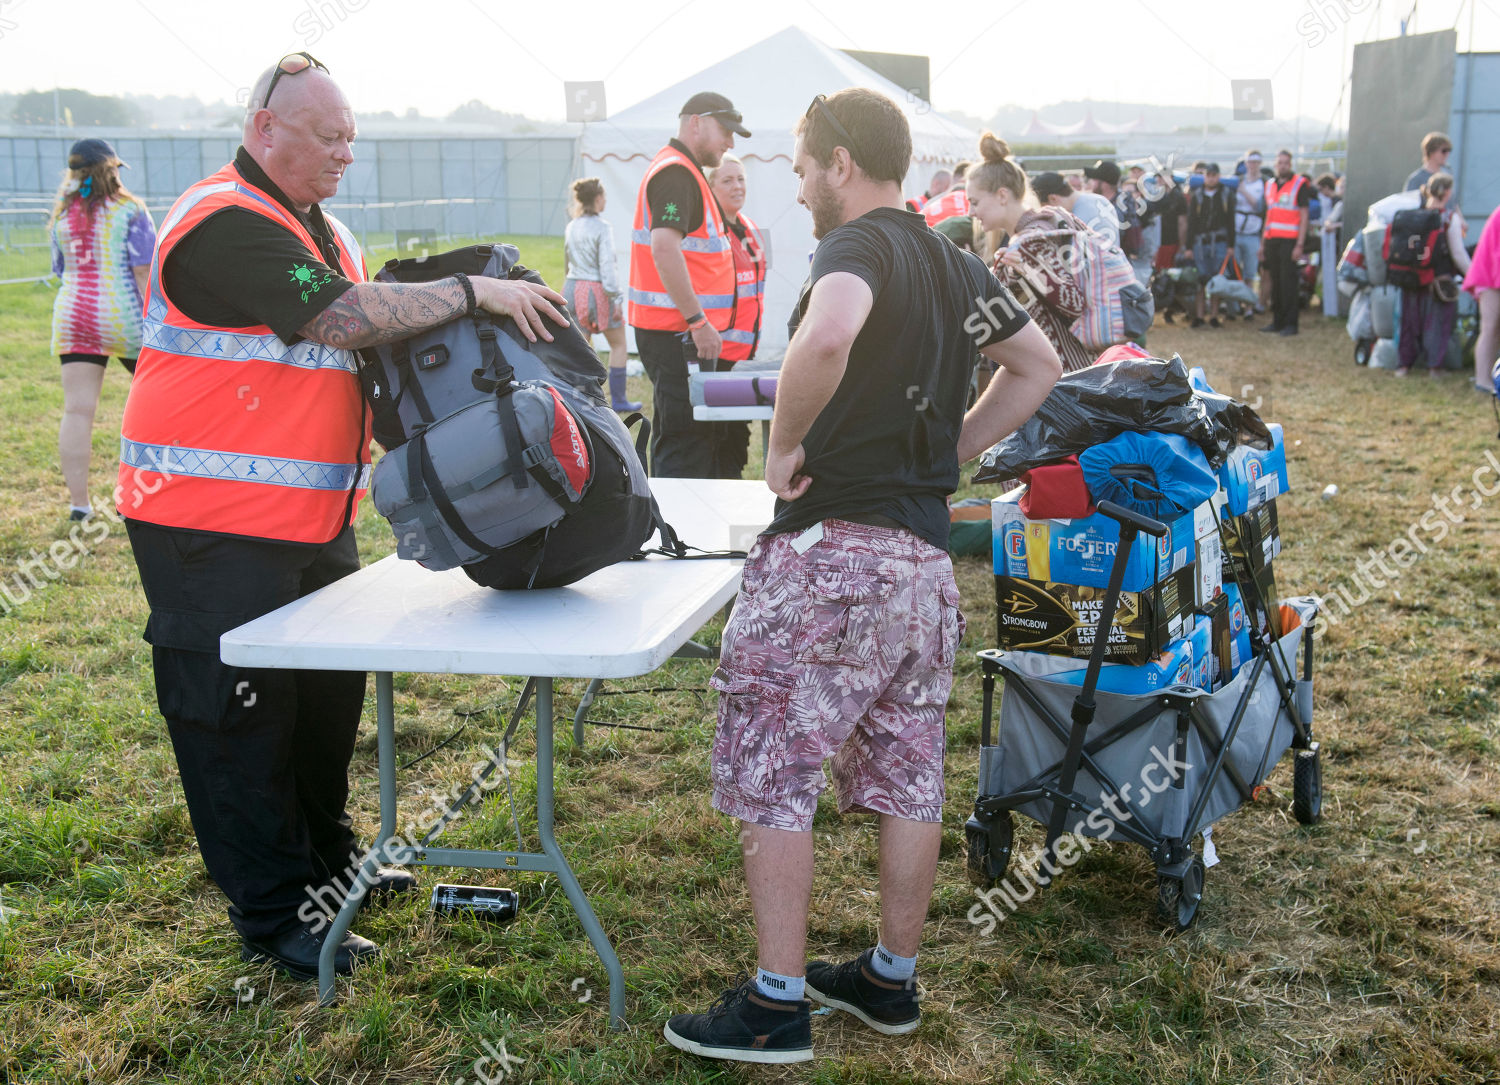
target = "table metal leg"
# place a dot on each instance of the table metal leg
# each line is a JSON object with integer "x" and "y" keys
{"x": 385, "y": 723}
{"x": 580, "y": 902}
{"x": 583, "y": 708}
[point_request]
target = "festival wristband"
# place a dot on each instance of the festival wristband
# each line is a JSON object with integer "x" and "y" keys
{"x": 471, "y": 303}
{"x": 696, "y": 322}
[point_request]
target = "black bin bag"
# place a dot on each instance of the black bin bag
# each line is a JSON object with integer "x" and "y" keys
{"x": 1089, "y": 406}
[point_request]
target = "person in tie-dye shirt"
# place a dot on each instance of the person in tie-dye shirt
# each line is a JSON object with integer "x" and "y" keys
{"x": 102, "y": 240}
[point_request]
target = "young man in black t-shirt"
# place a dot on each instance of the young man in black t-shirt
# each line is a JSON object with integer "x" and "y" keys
{"x": 842, "y": 643}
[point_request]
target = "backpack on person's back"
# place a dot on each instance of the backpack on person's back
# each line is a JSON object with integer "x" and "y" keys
{"x": 1416, "y": 248}
{"x": 1116, "y": 307}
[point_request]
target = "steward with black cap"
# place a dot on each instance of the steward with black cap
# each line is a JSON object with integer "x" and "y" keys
{"x": 682, "y": 286}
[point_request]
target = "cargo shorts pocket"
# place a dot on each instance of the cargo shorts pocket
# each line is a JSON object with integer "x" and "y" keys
{"x": 750, "y": 751}
{"x": 844, "y": 615}
{"x": 951, "y": 623}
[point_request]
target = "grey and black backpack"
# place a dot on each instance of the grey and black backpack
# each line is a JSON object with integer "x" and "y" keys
{"x": 503, "y": 456}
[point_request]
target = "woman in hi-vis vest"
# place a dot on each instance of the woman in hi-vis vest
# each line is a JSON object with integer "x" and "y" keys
{"x": 751, "y": 260}
{"x": 727, "y": 182}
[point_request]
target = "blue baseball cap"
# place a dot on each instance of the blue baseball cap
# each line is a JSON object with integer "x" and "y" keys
{"x": 91, "y": 152}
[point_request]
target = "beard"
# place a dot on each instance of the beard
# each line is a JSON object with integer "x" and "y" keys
{"x": 827, "y": 211}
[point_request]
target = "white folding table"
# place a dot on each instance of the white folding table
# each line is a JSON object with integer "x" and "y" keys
{"x": 621, "y": 622}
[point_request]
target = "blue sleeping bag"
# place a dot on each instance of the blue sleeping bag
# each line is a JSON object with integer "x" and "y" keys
{"x": 1161, "y": 475}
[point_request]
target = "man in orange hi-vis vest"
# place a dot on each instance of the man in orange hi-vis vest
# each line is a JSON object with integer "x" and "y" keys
{"x": 1288, "y": 203}
{"x": 682, "y": 287}
{"x": 244, "y": 452}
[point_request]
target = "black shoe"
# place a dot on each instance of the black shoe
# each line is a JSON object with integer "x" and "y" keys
{"x": 386, "y": 883}
{"x": 1197, "y": 322}
{"x": 1287, "y": 331}
{"x": 80, "y": 514}
{"x": 1270, "y": 328}
{"x": 887, "y": 1006}
{"x": 1214, "y": 323}
{"x": 296, "y": 952}
{"x": 1167, "y": 316}
{"x": 746, "y": 1026}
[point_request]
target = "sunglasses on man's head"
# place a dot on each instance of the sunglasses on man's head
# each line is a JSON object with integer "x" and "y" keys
{"x": 291, "y": 64}
{"x": 820, "y": 103}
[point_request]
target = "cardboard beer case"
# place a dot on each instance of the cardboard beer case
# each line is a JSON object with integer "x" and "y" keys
{"x": 1251, "y": 541}
{"x": 1062, "y": 619}
{"x": 1081, "y": 551}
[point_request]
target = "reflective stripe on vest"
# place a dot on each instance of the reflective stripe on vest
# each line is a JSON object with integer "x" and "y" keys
{"x": 950, "y": 204}
{"x": 173, "y": 460}
{"x": 232, "y": 430}
{"x": 706, "y": 251}
{"x": 1283, "y": 218}
{"x": 741, "y": 337}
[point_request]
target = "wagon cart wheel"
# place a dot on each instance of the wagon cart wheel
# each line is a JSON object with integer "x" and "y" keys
{"x": 1177, "y": 899}
{"x": 1362, "y": 351}
{"x": 1307, "y": 786}
{"x": 989, "y": 848}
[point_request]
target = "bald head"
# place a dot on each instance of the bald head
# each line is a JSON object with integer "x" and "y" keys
{"x": 940, "y": 183}
{"x": 302, "y": 137}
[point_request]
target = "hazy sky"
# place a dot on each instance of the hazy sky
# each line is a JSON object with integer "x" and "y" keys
{"x": 436, "y": 54}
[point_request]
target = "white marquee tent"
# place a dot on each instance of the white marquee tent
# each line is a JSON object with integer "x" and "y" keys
{"x": 771, "y": 83}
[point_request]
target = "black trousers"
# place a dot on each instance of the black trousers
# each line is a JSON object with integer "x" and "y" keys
{"x": 1283, "y": 271}
{"x": 681, "y": 447}
{"x": 263, "y": 754}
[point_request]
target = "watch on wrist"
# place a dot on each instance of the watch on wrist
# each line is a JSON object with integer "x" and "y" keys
{"x": 696, "y": 322}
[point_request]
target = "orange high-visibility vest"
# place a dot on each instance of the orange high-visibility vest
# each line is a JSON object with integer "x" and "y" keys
{"x": 749, "y": 292}
{"x": 950, "y": 204}
{"x": 1283, "y": 218}
{"x": 231, "y": 430}
{"x": 916, "y": 203}
{"x": 710, "y": 262}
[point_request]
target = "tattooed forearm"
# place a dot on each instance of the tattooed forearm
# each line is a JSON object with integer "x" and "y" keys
{"x": 368, "y": 314}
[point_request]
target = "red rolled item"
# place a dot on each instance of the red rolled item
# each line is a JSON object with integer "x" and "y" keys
{"x": 739, "y": 392}
{"x": 1056, "y": 491}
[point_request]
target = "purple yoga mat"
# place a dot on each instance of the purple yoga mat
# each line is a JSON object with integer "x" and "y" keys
{"x": 740, "y": 392}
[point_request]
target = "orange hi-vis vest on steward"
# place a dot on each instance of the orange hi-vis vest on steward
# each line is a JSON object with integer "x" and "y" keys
{"x": 950, "y": 204}
{"x": 749, "y": 292}
{"x": 1283, "y": 218}
{"x": 710, "y": 262}
{"x": 231, "y": 430}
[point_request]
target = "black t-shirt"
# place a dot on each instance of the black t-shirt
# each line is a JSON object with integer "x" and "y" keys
{"x": 887, "y": 442}
{"x": 674, "y": 197}
{"x": 237, "y": 268}
{"x": 1169, "y": 207}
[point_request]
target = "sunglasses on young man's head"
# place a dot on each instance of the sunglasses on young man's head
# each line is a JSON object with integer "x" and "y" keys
{"x": 291, "y": 64}
{"x": 820, "y": 103}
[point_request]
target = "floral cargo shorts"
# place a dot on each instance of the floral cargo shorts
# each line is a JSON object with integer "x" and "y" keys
{"x": 845, "y": 650}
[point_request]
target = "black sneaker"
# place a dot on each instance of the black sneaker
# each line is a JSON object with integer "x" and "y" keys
{"x": 1214, "y": 323}
{"x": 746, "y": 1026}
{"x": 1197, "y": 322}
{"x": 887, "y": 1006}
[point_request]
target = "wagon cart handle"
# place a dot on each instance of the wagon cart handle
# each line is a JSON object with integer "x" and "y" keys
{"x": 1155, "y": 528}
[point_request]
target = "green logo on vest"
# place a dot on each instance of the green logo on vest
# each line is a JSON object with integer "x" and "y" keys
{"x": 669, "y": 213}
{"x": 307, "y": 278}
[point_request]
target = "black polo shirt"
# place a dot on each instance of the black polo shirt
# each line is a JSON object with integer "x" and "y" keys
{"x": 674, "y": 196}
{"x": 238, "y": 269}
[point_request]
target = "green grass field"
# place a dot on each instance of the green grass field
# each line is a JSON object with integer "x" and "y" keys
{"x": 1361, "y": 950}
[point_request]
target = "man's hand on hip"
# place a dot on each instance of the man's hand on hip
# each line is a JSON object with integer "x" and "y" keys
{"x": 783, "y": 473}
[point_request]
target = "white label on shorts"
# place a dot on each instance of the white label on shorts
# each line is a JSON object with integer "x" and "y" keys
{"x": 809, "y": 538}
